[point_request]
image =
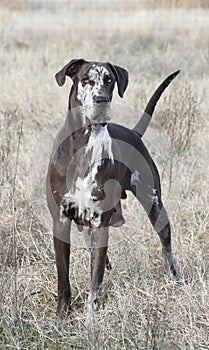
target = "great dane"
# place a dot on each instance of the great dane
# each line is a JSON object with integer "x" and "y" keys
{"x": 93, "y": 164}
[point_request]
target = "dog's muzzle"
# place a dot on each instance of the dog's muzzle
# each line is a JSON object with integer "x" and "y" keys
{"x": 100, "y": 99}
{"x": 100, "y": 110}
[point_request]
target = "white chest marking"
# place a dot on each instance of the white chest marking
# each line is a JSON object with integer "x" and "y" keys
{"x": 89, "y": 209}
{"x": 100, "y": 143}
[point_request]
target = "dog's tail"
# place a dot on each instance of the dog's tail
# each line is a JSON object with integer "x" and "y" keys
{"x": 144, "y": 121}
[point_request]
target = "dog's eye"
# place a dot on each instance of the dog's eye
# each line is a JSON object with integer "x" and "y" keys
{"x": 108, "y": 80}
{"x": 86, "y": 80}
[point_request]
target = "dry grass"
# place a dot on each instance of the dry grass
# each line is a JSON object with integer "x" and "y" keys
{"x": 22, "y": 5}
{"x": 142, "y": 308}
{"x": 169, "y": 4}
{"x": 180, "y": 3}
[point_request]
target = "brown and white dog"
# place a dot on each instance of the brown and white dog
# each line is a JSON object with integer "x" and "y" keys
{"x": 93, "y": 164}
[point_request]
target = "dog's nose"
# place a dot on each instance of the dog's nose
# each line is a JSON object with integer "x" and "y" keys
{"x": 101, "y": 98}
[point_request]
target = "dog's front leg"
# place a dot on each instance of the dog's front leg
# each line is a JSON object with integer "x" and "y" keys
{"x": 99, "y": 243}
{"x": 62, "y": 253}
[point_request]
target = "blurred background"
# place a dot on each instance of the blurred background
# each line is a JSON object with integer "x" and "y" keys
{"x": 142, "y": 308}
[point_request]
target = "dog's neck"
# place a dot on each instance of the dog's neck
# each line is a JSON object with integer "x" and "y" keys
{"x": 73, "y": 100}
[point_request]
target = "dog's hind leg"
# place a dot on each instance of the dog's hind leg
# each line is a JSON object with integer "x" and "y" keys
{"x": 151, "y": 201}
{"x": 159, "y": 219}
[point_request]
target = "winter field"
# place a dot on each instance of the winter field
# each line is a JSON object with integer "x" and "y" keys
{"x": 142, "y": 308}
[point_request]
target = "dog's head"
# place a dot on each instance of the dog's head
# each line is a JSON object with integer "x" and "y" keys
{"x": 94, "y": 83}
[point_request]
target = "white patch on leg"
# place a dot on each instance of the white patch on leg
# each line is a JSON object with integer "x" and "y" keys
{"x": 93, "y": 306}
{"x": 94, "y": 300}
{"x": 155, "y": 197}
{"x": 134, "y": 178}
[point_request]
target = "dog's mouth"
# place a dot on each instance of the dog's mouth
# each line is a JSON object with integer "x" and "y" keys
{"x": 94, "y": 122}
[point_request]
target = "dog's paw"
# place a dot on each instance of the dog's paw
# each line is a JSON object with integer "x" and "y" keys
{"x": 169, "y": 264}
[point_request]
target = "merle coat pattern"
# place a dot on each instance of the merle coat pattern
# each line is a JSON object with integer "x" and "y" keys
{"x": 93, "y": 164}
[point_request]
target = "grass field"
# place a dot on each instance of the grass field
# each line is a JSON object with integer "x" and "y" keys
{"x": 142, "y": 308}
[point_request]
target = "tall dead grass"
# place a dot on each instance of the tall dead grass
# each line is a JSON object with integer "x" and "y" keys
{"x": 180, "y": 118}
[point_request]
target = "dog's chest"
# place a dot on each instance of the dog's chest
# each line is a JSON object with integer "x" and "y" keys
{"x": 83, "y": 201}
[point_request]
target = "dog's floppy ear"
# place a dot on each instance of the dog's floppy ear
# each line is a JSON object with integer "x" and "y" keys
{"x": 70, "y": 69}
{"x": 121, "y": 76}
